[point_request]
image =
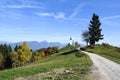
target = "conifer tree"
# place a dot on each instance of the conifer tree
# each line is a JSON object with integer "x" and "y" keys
{"x": 95, "y": 30}
{"x": 16, "y": 48}
{"x": 1, "y": 61}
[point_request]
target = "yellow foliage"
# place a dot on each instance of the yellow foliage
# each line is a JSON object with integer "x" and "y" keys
{"x": 39, "y": 55}
{"x": 14, "y": 55}
{"x": 24, "y": 53}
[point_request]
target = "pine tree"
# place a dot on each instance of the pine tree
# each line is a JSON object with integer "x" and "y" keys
{"x": 16, "y": 48}
{"x": 5, "y": 51}
{"x": 95, "y": 30}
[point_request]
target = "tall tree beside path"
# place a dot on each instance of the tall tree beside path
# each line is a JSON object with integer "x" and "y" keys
{"x": 95, "y": 30}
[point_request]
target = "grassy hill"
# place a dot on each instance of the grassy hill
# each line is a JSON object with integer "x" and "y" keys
{"x": 75, "y": 65}
{"x": 107, "y": 51}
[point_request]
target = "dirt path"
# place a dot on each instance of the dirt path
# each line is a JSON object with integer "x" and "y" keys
{"x": 107, "y": 70}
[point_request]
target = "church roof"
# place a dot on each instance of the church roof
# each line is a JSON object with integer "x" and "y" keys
{"x": 70, "y": 38}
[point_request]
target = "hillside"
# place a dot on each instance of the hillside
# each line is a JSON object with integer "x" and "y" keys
{"x": 107, "y": 51}
{"x": 71, "y": 66}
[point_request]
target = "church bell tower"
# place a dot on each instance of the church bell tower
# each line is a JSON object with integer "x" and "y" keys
{"x": 71, "y": 42}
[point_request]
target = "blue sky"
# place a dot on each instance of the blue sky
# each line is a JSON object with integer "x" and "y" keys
{"x": 57, "y": 20}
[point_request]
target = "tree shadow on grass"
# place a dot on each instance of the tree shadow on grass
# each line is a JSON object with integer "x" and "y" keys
{"x": 69, "y": 52}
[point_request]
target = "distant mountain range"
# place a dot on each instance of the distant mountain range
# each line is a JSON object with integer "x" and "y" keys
{"x": 34, "y": 45}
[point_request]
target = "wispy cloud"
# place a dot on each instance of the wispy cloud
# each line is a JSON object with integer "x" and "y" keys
{"x": 14, "y": 8}
{"x": 59, "y": 15}
{"x": 111, "y": 17}
{"x": 111, "y": 23}
{"x": 76, "y": 10}
{"x": 63, "y": 15}
{"x": 20, "y": 4}
{"x": 45, "y": 14}
{"x": 10, "y": 14}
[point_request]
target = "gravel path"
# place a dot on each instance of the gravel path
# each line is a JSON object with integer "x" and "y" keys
{"x": 109, "y": 69}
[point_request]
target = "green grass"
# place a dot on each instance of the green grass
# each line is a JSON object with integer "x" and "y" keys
{"x": 66, "y": 49}
{"x": 108, "y": 52}
{"x": 48, "y": 64}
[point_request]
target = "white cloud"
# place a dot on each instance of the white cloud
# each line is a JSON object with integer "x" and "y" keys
{"x": 76, "y": 10}
{"x": 13, "y": 8}
{"x": 111, "y": 23}
{"x": 10, "y": 14}
{"x": 20, "y": 4}
{"x": 110, "y": 17}
{"x": 59, "y": 15}
{"x": 44, "y": 14}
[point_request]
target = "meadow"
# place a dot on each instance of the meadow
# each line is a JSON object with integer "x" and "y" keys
{"x": 79, "y": 65}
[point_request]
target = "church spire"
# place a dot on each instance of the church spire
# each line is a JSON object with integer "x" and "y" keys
{"x": 70, "y": 42}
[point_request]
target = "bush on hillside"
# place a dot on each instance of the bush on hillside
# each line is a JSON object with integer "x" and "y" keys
{"x": 111, "y": 47}
{"x": 41, "y": 53}
{"x": 106, "y": 45}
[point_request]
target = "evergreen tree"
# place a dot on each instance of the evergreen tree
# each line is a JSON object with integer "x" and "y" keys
{"x": 16, "y": 48}
{"x": 5, "y": 51}
{"x": 1, "y": 61}
{"x": 95, "y": 30}
{"x": 8, "y": 62}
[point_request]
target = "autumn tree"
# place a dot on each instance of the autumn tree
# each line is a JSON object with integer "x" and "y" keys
{"x": 55, "y": 49}
{"x": 39, "y": 55}
{"x": 24, "y": 53}
{"x": 95, "y": 30}
{"x": 15, "y": 60}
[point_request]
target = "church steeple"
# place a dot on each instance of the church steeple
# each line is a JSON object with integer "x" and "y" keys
{"x": 70, "y": 42}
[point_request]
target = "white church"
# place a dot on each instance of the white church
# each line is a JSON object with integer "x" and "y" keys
{"x": 71, "y": 41}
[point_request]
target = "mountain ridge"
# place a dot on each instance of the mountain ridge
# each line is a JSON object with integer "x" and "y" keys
{"x": 34, "y": 45}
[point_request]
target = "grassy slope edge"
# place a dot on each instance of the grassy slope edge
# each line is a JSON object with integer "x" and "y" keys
{"x": 79, "y": 65}
{"x": 108, "y": 52}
